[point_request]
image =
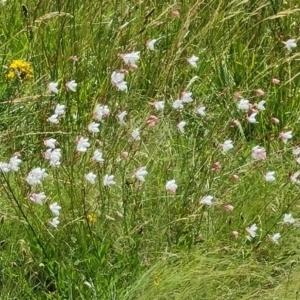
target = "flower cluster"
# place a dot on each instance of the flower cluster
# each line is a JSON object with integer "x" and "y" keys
{"x": 19, "y": 69}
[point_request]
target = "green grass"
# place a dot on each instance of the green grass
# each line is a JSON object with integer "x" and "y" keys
{"x": 145, "y": 242}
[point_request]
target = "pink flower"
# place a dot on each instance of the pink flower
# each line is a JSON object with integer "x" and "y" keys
{"x": 258, "y": 153}
{"x": 152, "y": 120}
{"x": 275, "y": 81}
{"x": 285, "y": 136}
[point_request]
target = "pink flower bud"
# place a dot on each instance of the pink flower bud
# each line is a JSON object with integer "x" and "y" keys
{"x": 73, "y": 58}
{"x": 237, "y": 95}
{"x": 229, "y": 208}
{"x": 152, "y": 120}
{"x": 119, "y": 215}
{"x": 124, "y": 154}
{"x": 235, "y": 177}
{"x": 259, "y": 92}
{"x": 235, "y": 234}
{"x": 175, "y": 13}
{"x": 124, "y": 71}
{"x": 253, "y": 111}
{"x": 275, "y": 81}
{"x": 275, "y": 121}
{"x": 235, "y": 123}
{"x": 216, "y": 166}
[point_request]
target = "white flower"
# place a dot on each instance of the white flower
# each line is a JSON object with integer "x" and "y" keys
{"x": 186, "y": 97}
{"x": 108, "y": 180}
{"x": 260, "y": 105}
{"x": 60, "y": 109}
{"x": 244, "y": 104}
{"x": 181, "y": 125}
{"x": 50, "y": 143}
{"x": 101, "y": 111}
{"x": 178, "y": 104}
{"x": 275, "y": 238}
{"x": 150, "y": 44}
{"x": 38, "y": 198}
{"x": 294, "y": 177}
{"x": 136, "y": 134}
{"x": 296, "y": 151}
{"x": 269, "y": 177}
{"x": 5, "y": 167}
{"x": 55, "y": 208}
{"x": 290, "y": 44}
{"x": 14, "y": 163}
{"x": 252, "y": 231}
{"x": 171, "y": 186}
{"x": 36, "y": 176}
{"x": 71, "y": 85}
{"x": 93, "y": 127}
{"x": 54, "y": 156}
{"x": 122, "y": 86}
{"x": 117, "y": 79}
{"x": 288, "y": 219}
{"x": 207, "y": 200}
{"x": 83, "y": 144}
{"x": 91, "y": 177}
{"x": 193, "y": 61}
{"x": 258, "y": 153}
{"x": 159, "y": 105}
{"x": 54, "y": 222}
{"x": 52, "y": 87}
{"x": 285, "y": 136}
{"x": 140, "y": 174}
{"x": 251, "y": 118}
{"x": 227, "y": 145}
{"x": 201, "y": 111}
{"x": 53, "y": 119}
{"x": 98, "y": 156}
{"x": 131, "y": 58}
{"x": 121, "y": 117}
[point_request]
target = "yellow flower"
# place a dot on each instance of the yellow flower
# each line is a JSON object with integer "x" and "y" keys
{"x": 91, "y": 218}
{"x": 19, "y": 69}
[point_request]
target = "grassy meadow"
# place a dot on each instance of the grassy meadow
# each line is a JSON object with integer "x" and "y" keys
{"x": 149, "y": 150}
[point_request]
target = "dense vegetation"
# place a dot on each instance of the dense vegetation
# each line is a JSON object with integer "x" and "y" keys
{"x": 149, "y": 149}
